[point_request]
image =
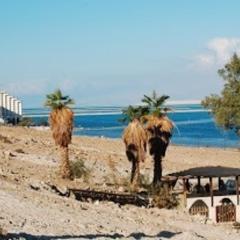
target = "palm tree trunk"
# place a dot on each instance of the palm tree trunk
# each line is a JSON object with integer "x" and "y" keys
{"x": 65, "y": 169}
{"x": 157, "y": 170}
{"x": 135, "y": 173}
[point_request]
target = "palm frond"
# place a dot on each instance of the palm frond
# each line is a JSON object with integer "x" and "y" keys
{"x": 135, "y": 135}
{"x": 134, "y": 112}
{"x": 148, "y": 100}
{"x": 155, "y": 104}
{"x": 161, "y": 100}
{"x": 56, "y": 100}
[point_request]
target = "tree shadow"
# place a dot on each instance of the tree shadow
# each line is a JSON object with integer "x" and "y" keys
{"x": 138, "y": 235}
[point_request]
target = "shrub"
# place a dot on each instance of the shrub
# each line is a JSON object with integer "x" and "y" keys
{"x": 79, "y": 169}
{"x": 26, "y": 122}
{"x": 163, "y": 197}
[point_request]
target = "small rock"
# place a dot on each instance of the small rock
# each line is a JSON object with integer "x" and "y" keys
{"x": 63, "y": 190}
{"x": 19, "y": 150}
{"x": 36, "y": 188}
{"x": 84, "y": 208}
{"x": 8, "y": 154}
{"x": 33, "y": 140}
{"x": 121, "y": 189}
{"x": 35, "y": 185}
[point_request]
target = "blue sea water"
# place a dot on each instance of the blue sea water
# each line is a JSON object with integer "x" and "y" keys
{"x": 194, "y": 125}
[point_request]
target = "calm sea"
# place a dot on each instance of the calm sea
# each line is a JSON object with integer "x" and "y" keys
{"x": 194, "y": 125}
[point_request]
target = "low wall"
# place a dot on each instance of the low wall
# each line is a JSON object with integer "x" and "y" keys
{"x": 216, "y": 202}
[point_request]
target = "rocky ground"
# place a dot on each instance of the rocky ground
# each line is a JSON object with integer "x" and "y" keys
{"x": 31, "y": 209}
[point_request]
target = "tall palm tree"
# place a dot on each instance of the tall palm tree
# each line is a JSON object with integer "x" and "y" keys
{"x": 61, "y": 123}
{"x": 159, "y": 130}
{"x": 135, "y": 140}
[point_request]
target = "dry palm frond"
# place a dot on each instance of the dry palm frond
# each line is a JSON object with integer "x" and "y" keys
{"x": 159, "y": 131}
{"x": 158, "y": 125}
{"x": 61, "y": 122}
{"x": 135, "y": 138}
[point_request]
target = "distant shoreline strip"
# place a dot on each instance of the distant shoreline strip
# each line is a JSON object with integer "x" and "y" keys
{"x": 111, "y": 113}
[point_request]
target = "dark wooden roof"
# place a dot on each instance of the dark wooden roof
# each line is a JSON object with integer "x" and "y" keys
{"x": 211, "y": 171}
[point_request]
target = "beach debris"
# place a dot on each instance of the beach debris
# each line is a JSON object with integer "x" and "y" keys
{"x": 61, "y": 191}
{"x": 119, "y": 198}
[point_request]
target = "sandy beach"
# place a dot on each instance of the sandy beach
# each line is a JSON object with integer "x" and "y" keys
{"x": 29, "y": 163}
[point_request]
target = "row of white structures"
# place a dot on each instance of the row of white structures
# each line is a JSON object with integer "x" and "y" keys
{"x": 10, "y": 108}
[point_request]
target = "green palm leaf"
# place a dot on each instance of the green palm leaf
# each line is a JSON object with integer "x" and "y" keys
{"x": 155, "y": 104}
{"x": 56, "y": 100}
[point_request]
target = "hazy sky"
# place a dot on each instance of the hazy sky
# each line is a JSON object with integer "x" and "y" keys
{"x": 111, "y": 52}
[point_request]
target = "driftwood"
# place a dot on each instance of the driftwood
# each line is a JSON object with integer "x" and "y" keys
{"x": 121, "y": 199}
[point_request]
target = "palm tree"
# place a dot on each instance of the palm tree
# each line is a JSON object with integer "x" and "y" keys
{"x": 135, "y": 140}
{"x": 61, "y": 123}
{"x": 159, "y": 130}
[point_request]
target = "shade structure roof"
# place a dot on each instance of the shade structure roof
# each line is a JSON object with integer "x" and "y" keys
{"x": 208, "y": 171}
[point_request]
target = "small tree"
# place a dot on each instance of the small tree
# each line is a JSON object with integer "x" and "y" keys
{"x": 159, "y": 130}
{"x": 135, "y": 140}
{"x": 61, "y": 123}
{"x": 148, "y": 123}
{"x": 226, "y": 106}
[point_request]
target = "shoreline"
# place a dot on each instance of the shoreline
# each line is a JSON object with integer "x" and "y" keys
{"x": 47, "y": 128}
{"x": 44, "y": 128}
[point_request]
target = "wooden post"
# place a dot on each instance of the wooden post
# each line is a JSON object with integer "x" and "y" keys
{"x": 199, "y": 184}
{"x": 184, "y": 193}
{"x": 219, "y": 181}
{"x": 211, "y": 190}
{"x": 187, "y": 185}
{"x": 237, "y": 189}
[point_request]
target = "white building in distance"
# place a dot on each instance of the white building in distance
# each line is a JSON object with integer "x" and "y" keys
{"x": 10, "y": 108}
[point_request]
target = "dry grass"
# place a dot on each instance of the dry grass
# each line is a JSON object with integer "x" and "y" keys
{"x": 79, "y": 170}
{"x": 145, "y": 182}
{"x": 163, "y": 197}
{"x": 116, "y": 180}
{"x": 112, "y": 165}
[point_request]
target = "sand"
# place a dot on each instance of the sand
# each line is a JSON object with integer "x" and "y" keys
{"x": 30, "y": 209}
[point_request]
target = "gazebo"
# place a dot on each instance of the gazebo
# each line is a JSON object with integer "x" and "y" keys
{"x": 219, "y": 203}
